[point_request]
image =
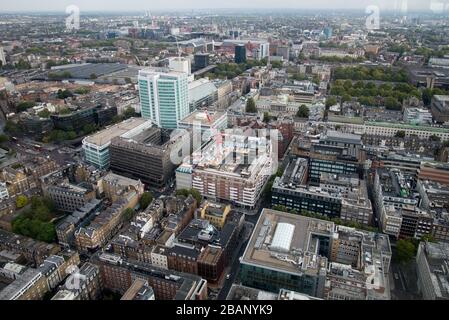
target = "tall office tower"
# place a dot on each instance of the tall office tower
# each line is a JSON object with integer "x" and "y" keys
{"x": 180, "y": 64}
{"x": 240, "y": 54}
{"x": 328, "y": 32}
{"x": 164, "y": 97}
{"x": 2, "y": 57}
{"x": 201, "y": 60}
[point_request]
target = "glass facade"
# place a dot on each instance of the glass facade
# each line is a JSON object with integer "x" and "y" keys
{"x": 274, "y": 281}
{"x": 164, "y": 98}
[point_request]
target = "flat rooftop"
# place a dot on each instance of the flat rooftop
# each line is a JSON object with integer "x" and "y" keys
{"x": 202, "y": 117}
{"x": 84, "y": 71}
{"x": 105, "y": 136}
{"x": 302, "y": 257}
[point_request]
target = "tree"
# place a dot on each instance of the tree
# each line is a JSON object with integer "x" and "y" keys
{"x": 128, "y": 214}
{"x": 266, "y": 117}
{"x": 21, "y": 201}
{"x": 25, "y": 105}
{"x": 82, "y": 90}
{"x": 428, "y": 238}
{"x": 400, "y": 134}
{"x": 303, "y": 112}
{"x": 194, "y": 193}
{"x": 427, "y": 96}
{"x": 64, "y": 94}
{"x": 392, "y": 104}
{"x": 346, "y": 98}
{"x": 23, "y": 65}
{"x": 129, "y": 113}
{"x": 44, "y": 113}
{"x": 146, "y": 200}
{"x": 12, "y": 128}
{"x": 406, "y": 250}
{"x": 251, "y": 106}
{"x": 93, "y": 76}
{"x": 3, "y": 138}
{"x": 331, "y": 101}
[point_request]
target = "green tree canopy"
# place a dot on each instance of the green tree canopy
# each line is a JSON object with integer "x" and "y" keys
{"x": 195, "y": 194}
{"x": 21, "y": 201}
{"x": 331, "y": 101}
{"x": 406, "y": 250}
{"x": 146, "y": 200}
{"x": 303, "y": 112}
{"x": 251, "y": 106}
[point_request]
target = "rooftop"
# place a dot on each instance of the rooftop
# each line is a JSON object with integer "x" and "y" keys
{"x": 105, "y": 136}
{"x": 301, "y": 256}
{"x": 204, "y": 118}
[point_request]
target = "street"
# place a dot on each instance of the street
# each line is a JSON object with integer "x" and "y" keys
{"x": 235, "y": 265}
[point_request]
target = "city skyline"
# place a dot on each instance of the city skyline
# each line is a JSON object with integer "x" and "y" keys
{"x": 178, "y": 5}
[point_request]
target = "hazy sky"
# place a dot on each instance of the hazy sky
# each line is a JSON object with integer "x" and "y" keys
{"x": 137, "y": 5}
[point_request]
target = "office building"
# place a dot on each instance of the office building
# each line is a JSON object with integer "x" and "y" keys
{"x": 397, "y": 204}
{"x": 309, "y": 256}
{"x": 2, "y": 57}
{"x": 328, "y": 32}
{"x": 114, "y": 186}
{"x": 180, "y": 64}
{"x": 4, "y": 194}
{"x": 78, "y": 119}
{"x": 201, "y": 60}
{"x": 164, "y": 97}
{"x": 260, "y": 47}
{"x": 117, "y": 274}
{"x": 434, "y": 171}
{"x": 92, "y": 236}
{"x": 139, "y": 291}
{"x": 417, "y": 116}
{"x": 145, "y": 156}
{"x": 240, "y": 54}
{"x": 85, "y": 284}
{"x": 65, "y": 229}
{"x": 202, "y": 94}
{"x": 432, "y": 269}
{"x": 68, "y": 197}
{"x": 440, "y": 108}
{"x": 96, "y": 147}
{"x": 284, "y": 52}
{"x": 29, "y": 285}
{"x": 236, "y": 171}
{"x": 215, "y": 213}
{"x": 208, "y": 122}
{"x": 338, "y": 195}
{"x": 35, "y": 252}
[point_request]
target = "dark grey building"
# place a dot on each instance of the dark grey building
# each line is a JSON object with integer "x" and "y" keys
{"x": 201, "y": 61}
{"x": 240, "y": 54}
{"x": 145, "y": 156}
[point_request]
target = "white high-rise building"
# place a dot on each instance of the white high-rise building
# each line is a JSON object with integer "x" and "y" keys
{"x": 2, "y": 56}
{"x": 180, "y": 64}
{"x": 164, "y": 97}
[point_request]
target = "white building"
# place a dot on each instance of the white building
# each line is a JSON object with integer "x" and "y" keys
{"x": 96, "y": 147}
{"x": 417, "y": 116}
{"x": 4, "y": 194}
{"x": 164, "y": 97}
{"x": 180, "y": 64}
{"x": 235, "y": 171}
{"x": 2, "y": 56}
{"x": 207, "y": 122}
